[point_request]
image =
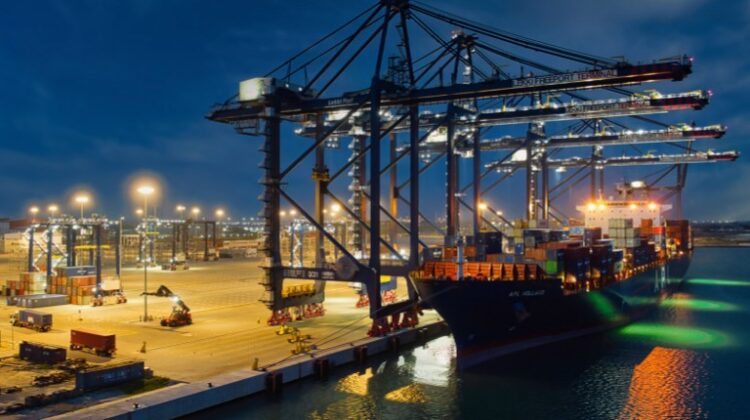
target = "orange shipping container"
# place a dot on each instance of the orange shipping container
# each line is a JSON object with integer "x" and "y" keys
{"x": 520, "y": 271}
{"x": 497, "y": 271}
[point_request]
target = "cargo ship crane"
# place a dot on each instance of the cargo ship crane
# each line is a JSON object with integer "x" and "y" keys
{"x": 607, "y": 138}
{"x": 646, "y": 159}
{"x": 399, "y": 101}
{"x": 540, "y": 112}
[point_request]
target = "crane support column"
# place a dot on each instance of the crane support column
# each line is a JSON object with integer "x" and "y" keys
{"x": 357, "y": 200}
{"x": 545, "y": 187}
{"x": 374, "y": 264}
{"x": 50, "y": 239}
{"x": 531, "y": 181}
{"x": 271, "y": 197}
{"x": 373, "y": 289}
{"x": 69, "y": 246}
{"x": 98, "y": 242}
{"x": 534, "y": 133}
{"x": 213, "y": 235}
{"x": 30, "y": 265}
{"x": 205, "y": 241}
{"x": 451, "y": 160}
{"x": 477, "y": 180}
{"x": 597, "y": 192}
{"x": 118, "y": 250}
{"x": 414, "y": 188}
{"x": 175, "y": 229}
{"x": 393, "y": 192}
{"x": 320, "y": 176}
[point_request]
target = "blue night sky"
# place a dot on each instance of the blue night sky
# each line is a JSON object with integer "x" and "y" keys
{"x": 95, "y": 91}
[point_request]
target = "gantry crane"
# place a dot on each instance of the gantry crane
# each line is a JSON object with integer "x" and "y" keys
{"x": 457, "y": 86}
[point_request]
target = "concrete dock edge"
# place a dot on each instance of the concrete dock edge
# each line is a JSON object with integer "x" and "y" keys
{"x": 188, "y": 398}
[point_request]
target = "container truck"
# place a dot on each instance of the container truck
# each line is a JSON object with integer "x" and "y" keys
{"x": 29, "y": 318}
{"x": 100, "y": 344}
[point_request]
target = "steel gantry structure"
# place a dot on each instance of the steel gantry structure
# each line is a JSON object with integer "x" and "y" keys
{"x": 455, "y": 89}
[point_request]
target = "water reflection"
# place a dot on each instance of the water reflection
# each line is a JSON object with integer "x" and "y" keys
{"x": 685, "y": 301}
{"x": 667, "y": 384}
{"x": 720, "y": 282}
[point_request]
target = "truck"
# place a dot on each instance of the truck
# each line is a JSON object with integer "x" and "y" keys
{"x": 180, "y": 311}
{"x": 108, "y": 287}
{"x": 29, "y": 318}
{"x": 100, "y": 344}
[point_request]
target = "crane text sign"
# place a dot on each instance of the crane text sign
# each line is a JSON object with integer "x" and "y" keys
{"x": 309, "y": 273}
{"x": 550, "y": 79}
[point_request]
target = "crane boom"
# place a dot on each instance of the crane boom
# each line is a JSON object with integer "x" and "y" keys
{"x": 295, "y": 103}
{"x": 647, "y": 159}
{"x": 587, "y": 140}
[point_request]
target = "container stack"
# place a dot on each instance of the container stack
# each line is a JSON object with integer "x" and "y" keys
{"x": 40, "y": 301}
{"x": 28, "y": 284}
{"x": 602, "y": 261}
{"x": 618, "y": 260}
{"x": 623, "y": 234}
{"x": 12, "y": 288}
{"x": 577, "y": 264}
{"x": 77, "y": 283}
{"x": 41, "y": 353}
{"x": 679, "y": 233}
{"x": 34, "y": 282}
{"x": 647, "y": 227}
{"x": 644, "y": 254}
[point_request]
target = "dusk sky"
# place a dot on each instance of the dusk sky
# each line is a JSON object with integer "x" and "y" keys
{"x": 95, "y": 91}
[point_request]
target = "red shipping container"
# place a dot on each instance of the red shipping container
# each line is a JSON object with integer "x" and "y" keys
{"x": 102, "y": 344}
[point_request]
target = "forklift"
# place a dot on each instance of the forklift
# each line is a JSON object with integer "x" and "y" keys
{"x": 180, "y": 312}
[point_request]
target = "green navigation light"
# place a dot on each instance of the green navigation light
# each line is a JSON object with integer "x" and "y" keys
{"x": 699, "y": 304}
{"x": 671, "y": 335}
{"x": 720, "y": 282}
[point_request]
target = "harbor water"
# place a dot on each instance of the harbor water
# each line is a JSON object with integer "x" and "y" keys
{"x": 690, "y": 358}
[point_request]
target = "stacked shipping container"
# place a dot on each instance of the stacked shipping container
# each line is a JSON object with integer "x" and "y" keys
{"x": 623, "y": 234}
{"x": 28, "y": 284}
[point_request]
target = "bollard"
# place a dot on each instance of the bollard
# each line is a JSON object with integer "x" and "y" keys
{"x": 255, "y": 364}
{"x": 274, "y": 382}
{"x": 143, "y": 347}
{"x": 394, "y": 344}
{"x": 360, "y": 354}
{"x": 321, "y": 368}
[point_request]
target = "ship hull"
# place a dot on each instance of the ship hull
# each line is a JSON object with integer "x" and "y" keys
{"x": 489, "y": 319}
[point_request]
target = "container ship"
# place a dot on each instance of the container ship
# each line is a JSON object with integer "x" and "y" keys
{"x": 537, "y": 285}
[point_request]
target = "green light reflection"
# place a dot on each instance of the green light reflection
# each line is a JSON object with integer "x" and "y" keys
{"x": 642, "y": 300}
{"x": 671, "y": 335}
{"x": 604, "y": 307}
{"x": 699, "y": 304}
{"x": 719, "y": 282}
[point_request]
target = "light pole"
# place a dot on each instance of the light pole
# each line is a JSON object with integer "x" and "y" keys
{"x": 33, "y": 210}
{"x": 145, "y": 191}
{"x": 482, "y": 207}
{"x": 219, "y": 216}
{"x": 82, "y": 199}
{"x": 52, "y": 209}
{"x": 180, "y": 209}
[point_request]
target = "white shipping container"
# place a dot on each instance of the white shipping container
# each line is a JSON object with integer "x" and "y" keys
{"x": 109, "y": 284}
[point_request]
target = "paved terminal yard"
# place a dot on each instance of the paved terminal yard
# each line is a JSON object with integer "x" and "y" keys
{"x": 229, "y": 328}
